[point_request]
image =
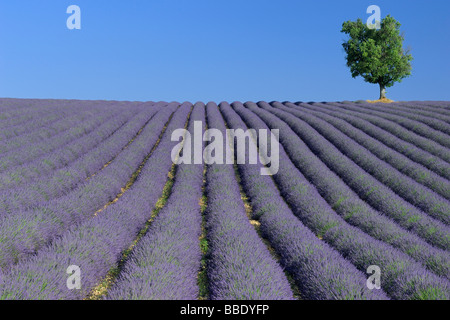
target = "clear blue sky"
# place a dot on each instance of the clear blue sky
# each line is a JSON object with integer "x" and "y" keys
{"x": 209, "y": 50}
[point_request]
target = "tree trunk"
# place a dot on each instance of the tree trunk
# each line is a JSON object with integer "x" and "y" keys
{"x": 382, "y": 91}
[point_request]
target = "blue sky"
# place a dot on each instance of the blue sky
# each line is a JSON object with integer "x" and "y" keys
{"x": 209, "y": 50}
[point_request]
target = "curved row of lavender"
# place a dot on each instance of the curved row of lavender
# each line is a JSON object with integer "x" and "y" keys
{"x": 400, "y": 162}
{"x": 321, "y": 228}
{"x": 15, "y": 132}
{"x": 30, "y": 152}
{"x": 12, "y": 107}
{"x": 58, "y": 120}
{"x": 96, "y": 245}
{"x": 25, "y": 231}
{"x": 415, "y": 193}
{"x": 62, "y": 156}
{"x": 416, "y": 111}
{"x": 60, "y": 182}
{"x": 346, "y": 202}
{"x": 23, "y": 119}
{"x": 404, "y": 278}
{"x": 366, "y": 186}
{"x": 424, "y": 115}
{"x": 164, "y": 264}
{"x": 16, "y": 110}
{"x": 43, "y": 113}
{"x": 412, "y": 125}
{"x": 416, "y": 108}
{"x": 55, "y": 123}
{"x": 320, "y": 272}
{"x": 392, "y": 127}
{"x": 432, "y": 120}
{"x": 240, "y": 265}
{"x": 392, "y": 142}
{"x": 434, "y": 107}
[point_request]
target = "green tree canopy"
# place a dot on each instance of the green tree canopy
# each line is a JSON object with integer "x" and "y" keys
{"x": 377, "y": 55}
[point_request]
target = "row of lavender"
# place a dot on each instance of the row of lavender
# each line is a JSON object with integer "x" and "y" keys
{"x": 47, "y": 117}
{"x": 165, "y": 262}
{"x": 368, "y": 188}
{"x": 393, "y": 142}
{"x": 413, "y": 112}
{"x": 322, "y": 270}
{"x": 352, "y": 143}
{"x": 381, "y": 121}
{"x": 57, "y": 121}
{"x": 240, "y": 265}
{"x": 24, "y": 231}
{"x": 347, "y": 203}
{"x": 62, "y": 155}
{"x": 24, "y": 280}
{"x": 21, "y": 116}
{"x": 81, "y": 124}
{"x": 48, "y": 127}
{"x": 319, "y": 271}
{"x": 96, "y": 244}
{"x": 404, "y": 278}
{"x": 436, "y": 124}
{"x": 316, "y": 279}
{"x": 46, "y": 177}
{"x": 402, "y": 163}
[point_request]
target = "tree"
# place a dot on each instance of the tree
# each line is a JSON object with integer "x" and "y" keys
{"x": 377, "y": 55}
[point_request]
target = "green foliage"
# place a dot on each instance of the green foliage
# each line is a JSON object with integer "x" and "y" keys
{"x": 376, "y": 55}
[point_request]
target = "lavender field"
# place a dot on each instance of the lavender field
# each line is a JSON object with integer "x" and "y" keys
{"x": 92, "y": 184}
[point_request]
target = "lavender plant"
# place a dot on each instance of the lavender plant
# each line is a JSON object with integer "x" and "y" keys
{"x": 96, "y": 245}
{"x": 415, "y": 193}
{"x": 240, "y": 266}
{"x": 404, "y": 278}
{"x": 165, "y": 262}
{"x": 25, "y": 231}
{"x": 414, "y": 153}
{"x": 320, "y": 272}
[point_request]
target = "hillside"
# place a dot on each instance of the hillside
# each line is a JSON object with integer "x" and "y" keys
{"x": 334, "y": 189}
